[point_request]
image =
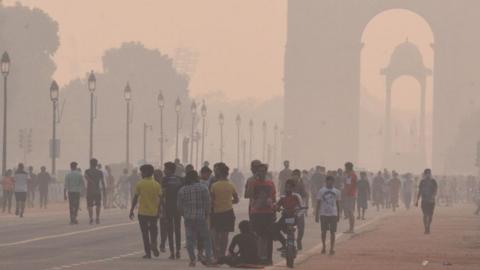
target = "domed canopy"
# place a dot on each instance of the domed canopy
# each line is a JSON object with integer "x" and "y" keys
{"x": 406, "y": 59}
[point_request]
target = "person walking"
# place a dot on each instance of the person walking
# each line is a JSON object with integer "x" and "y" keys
{"x": 262, "y": 194}
{"x": 377, "y": 191}
{"x": 7, "y": 186}
{"x": 171, "y": 185}
{"x": 363, "y": 195}
{"x": 73, "y": 187}
{"x": 224, "y": 195}
{"x": 394, "y": 186}
{"x": 148, "y": 193}
{"x": 95, "y": 190}
{"x": 427, "y": 191}
{"x": 284, "y": 175}
{"x": 21, "y": 179}
{"x": 350, "y": 194}
{"x": 110, "y": 181}
{"x": 328, "y": 212}
{"x": 407, "y": 190}
{"x": 43, "y": 179}
{"x": 132, "y": 181}
{"x": 31, "y": 187}
{"x": 193, "y": 203}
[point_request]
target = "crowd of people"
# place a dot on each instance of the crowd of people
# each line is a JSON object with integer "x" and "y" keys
{"x": 205, "y": 200}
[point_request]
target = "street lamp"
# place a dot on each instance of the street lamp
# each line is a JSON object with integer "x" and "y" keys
{"x": 54, "y": 98}
{"x": 238, "y": 122}
{"x": 92, "y": 84}
{"x": 221, "y": 121}
{"x": 5, "y": 68}
{"x": 127, "y": 93}
{"x": 178, "y": 107}
{"x": 264, "y": 126}
{"x": 250, "y": 125}
{"x": 275, "y": 133}
{"x": 161, "y": 105}
{"x": 204, "y": 117}
{"x": 194, "y": 115}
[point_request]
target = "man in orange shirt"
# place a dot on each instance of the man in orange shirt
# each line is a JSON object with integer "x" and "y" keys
{"x": 350, "y": 195}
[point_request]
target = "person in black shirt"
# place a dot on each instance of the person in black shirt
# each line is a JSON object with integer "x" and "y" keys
{"x": 94, "y": 178}
{"x": 171, "y": 184}
{"x": 247, "y": 252}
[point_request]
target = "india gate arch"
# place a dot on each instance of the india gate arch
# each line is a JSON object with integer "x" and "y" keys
{"x": 322, "y": 74}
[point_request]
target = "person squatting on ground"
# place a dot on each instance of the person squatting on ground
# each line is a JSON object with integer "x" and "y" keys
{"x": 328, "y": 212}
{"x": 73, "y": 187}
{"x": 243, "y": 252}
{"x": 148, "y": 193}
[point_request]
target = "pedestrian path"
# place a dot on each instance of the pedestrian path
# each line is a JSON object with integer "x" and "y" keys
{"x": 397, "y": 242}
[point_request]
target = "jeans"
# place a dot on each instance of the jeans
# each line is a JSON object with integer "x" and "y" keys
{"x": 148, "y": 226}
{"x": 163, "y": 231}
{"x": 43, "y": 197}
{"x": 74, "y": 204}
{"x": 173, "y": 229}
{"x": 7, "y": 200}
{"x": 197, "y": 228}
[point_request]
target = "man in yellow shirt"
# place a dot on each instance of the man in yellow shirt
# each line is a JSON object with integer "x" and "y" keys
{"x": 148, "y": 193}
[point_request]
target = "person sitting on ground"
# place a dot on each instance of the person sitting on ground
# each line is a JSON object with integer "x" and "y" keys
{"x": 290, "y": 202}
{"x": 246, "y": 256}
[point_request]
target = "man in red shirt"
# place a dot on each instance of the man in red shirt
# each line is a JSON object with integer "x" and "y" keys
{"x": 350, "y": 194}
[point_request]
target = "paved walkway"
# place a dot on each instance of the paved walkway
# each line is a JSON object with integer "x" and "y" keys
{"x": 397, "y": 242}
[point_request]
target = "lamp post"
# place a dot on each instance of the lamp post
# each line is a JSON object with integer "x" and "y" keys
{"x": 92, "y": 83}
{"x": 238, "y": 122}
{"x": 197, "y": 138}
{"x": 5, "y": 68}
{"x": 145, "y": 128}
{"x": 161, "y": 105}
{"x": 204, "y": 117}
{"x": 54, "y": 98}
{"x": 178, "y": 107}
{"x": 275, "y": 133}
{"x": 250, "y": 124}
{"x": 221, "y": 121}
{"x": 264, "y": 147}
{"x": 194, "y": 115}
{"x": 128, "y": 97}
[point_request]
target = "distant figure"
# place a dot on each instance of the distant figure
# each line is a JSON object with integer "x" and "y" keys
{"x": 20, "y": 179}
{"x": 394, "y": 186}
{"x": 95, "y": 190}
{"x": 350, "y": 193}
{"x": 284, "y": 175}
{"x": 427, "y": 190}
{"x": 133, "y": 180}
{"x": 477, "y": 201}
{"x": 189, "y": 168}
{"x": 31, "y": 187}
{"x": 316, "y": 183}
{"x": 7, "y": 186}
{"x": 73, "y": 187}
{"x": 43, "y": 180}
{"x": 123, "y": 187}
{"x": 407, "y": 190}
{"x": 306, "y": 183}
{"x": 299, "y": 188}
{"x": 247, "y": 253}
{"x": 171, "y": 185}
{"x": 340, "y": 185}
{"x": 194, "y": 204}
{"x": 253, "y": 168}
{"x": 223, "y": 194}
{"x": 110, "y": 181}
{"x": 148, "y": 193}
{"x": 363, "y": 195}
{"x": 238, "y": 180}
{"x": 205, "y": 174}
{"x": 179, "y": 169}
{"x": 328, "y": 212}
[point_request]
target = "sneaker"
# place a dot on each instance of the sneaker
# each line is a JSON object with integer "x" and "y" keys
{"x": 332, "y": 252}
{"x": 177, "y": 255}
{"x": 155, "y": 251}
{"x": 323, "y": 251}
{"x": 91, "y": 221}
{"x": 299, "y": 245}
{"x": 191, "y": 264}
{"x": 147, "y": 256}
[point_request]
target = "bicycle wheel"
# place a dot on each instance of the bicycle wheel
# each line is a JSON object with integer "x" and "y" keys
{"x": 290, "y": 256}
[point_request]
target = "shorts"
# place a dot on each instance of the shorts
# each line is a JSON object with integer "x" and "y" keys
{"x": 20, "y": 196}
{"x": 349, "y": 204}
{"x": 224, "y": 221}
{"x": 94, "y": 200}
{"x": 428, "y": 208}
{"x": 328, "y": 223}
{"x": 262, "y": 224}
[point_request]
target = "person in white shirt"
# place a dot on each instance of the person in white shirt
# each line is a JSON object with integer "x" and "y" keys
{"x": 20, "y": 178}
{"x": 327, "y": 212}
